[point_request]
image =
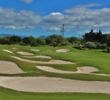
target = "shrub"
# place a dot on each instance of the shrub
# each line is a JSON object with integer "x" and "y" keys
{"x": 90, "y": 45}
{"x": 79, "y": 46}
{"x": 104, "y": 46}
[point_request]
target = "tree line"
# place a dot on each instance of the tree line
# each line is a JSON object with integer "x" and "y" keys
{"x": 96, "y": 40}
{"x": 52, "y": 40}
{"x": 89, "y": 40}
{"x": 97, "y": 37}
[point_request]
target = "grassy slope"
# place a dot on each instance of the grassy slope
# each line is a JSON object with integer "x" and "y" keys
{"x": 81, "y": 57}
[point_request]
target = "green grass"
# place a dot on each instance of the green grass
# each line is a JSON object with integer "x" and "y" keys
{"x": 7, "y": 94}
{"x": 95, "y": 58}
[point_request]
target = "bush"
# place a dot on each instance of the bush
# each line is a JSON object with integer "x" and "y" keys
{"x": 79, "y": 46}
{"x": 104, "y": 46}
{"x": 90, "y": 45}
{"x": 65, "y": 43}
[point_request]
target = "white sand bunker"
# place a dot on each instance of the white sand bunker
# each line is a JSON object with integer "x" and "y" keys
{"x": 42, "y": 62}
{"x": 80, "y": 70}
{"x": 87, "y": 69}
{"x": 14, "y": 48}
{"x": 8, "y": 51}
{"x": 63, "y": 50}
{"x": 46, "y": 84}
{"x": 35, "y": 49}
{"x": 7, "y": 67}
{"x": 24, "y": 53}
{"x": 50, "y": 69}
{"x": 40, "y": 56}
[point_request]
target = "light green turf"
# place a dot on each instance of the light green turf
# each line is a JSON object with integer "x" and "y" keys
{"x": 95, "y": 58}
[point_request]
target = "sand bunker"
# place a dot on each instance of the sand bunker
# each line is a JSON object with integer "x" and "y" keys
{"x": 87, "y": 69}
{"x": 35, "y": 49}
{"x": 7, "y": 67}
{"x": 47, "y": 84}
{"x": 84, "y": 69}
{"x": 63, "y": 50}
{"x": 42, "y": 62}
{"x": 50, "y": 69}
{"x": 8, "y": 51}
{"x": 14, "y": 48}
{"x": 24, "y": 53}
{"x": 40, "y": 56}
{"x": 81, "y": 70}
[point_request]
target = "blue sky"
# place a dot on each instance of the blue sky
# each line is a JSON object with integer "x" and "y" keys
{"x": 45, "y": 17}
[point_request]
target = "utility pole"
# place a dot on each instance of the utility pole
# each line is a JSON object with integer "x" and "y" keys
{"x": 62, "y": 30}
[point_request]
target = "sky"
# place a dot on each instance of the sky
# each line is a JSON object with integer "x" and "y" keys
{"x": 45, "y": 17}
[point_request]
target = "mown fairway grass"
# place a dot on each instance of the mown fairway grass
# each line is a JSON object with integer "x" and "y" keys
{"x": 95, "y": 58}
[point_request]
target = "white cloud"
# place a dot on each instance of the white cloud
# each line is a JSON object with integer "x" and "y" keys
{"x": 89, "y": 5}
{"x": 55, "y": 18}
{"x": 27, "y": 1}
{"x": 77, "y": 18}
{"x": 85, "y": 17}
{"x": 18, "y": 20}
{"x": 54, "y": 29}
{"x": 83, "y": 32}
{"x": 53, "y": 21}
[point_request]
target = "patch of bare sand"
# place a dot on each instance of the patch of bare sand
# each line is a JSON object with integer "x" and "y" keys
{"x": 50, "y": 69}
{"x": 7, "y": 67}
{"x": 42, "y": 62}
{"x": 25, "y": 53}
{"x": 87, "y": 69}
{"x": 84, "y": 69}
{"x": 8, "y": 51}
{"x": 40, "y": 56}
{"x": 14, "y": 48}
{"x": 35, "y": 50}
{"x": 63, "y": 50}
{"x": 52, "y": 85}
